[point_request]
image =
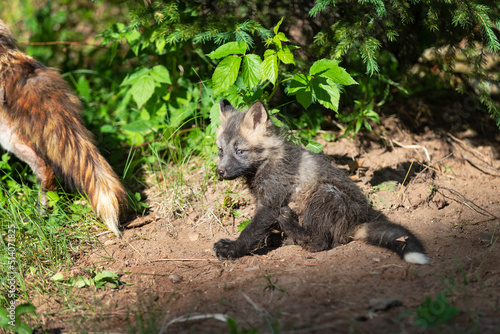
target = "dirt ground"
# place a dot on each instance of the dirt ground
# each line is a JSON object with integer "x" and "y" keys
{"x": 442, "y": 185}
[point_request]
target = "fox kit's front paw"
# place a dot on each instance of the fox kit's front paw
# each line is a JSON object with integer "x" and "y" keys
{"x": 225, "y": 249}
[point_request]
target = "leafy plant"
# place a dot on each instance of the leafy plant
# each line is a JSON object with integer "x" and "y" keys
{"x": 10, "y": 319}
{"x": 377, "y": 36}
{"x": 100, "y": 279}
{"x": 434, "y": 312}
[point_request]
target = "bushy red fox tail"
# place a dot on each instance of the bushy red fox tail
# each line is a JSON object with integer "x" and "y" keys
{"x": 41, "y": 124}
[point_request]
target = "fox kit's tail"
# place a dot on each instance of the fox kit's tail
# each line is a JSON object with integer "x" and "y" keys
{"x": 40, "y": 123}
{"x": 394, "y": 237}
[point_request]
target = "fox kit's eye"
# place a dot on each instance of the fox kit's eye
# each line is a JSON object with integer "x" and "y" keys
{"x": 238, "y": 151}
{"x": 220, "y": 150}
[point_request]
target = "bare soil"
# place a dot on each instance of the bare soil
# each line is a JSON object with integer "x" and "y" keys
{"x": 443, "y": 186}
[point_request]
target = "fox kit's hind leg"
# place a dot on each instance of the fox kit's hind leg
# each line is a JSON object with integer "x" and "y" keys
{"x": 289, "y": 224}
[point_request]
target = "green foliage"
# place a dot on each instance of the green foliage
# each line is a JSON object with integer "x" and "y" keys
{"x": 434, "y": 312}
{"x": 11, "y": 319}
{"x": 233, "y": 328}
{"x": 364, "y": 32}
{"x": 100, "y": 279}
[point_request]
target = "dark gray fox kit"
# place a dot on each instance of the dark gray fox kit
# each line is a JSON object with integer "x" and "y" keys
{"x": 298, "y": 192}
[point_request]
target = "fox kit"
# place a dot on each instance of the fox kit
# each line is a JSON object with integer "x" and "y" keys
{"x": 40, "y": 123}
{"x": 298, "y": 192}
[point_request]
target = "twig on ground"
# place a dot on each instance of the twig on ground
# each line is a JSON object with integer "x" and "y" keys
{"x": 438, "y": 171}
{"x": 415, "y": 147}
{"x": 468, "y": 203}
{"x": 137, "y": 251}
{"x": 483, "y": 221}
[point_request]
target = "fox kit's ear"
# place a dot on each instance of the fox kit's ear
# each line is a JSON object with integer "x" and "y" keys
{"x": 225, "y": 108}
{"x": 256, "y": 118}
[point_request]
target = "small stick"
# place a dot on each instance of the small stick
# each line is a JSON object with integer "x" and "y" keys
{"x": 483, "y": 221}
{"x": 414, "y": 146}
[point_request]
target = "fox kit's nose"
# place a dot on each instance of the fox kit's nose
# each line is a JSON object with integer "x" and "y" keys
{"x": 221, "y": 171}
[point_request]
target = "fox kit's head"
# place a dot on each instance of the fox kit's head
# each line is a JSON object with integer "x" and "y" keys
{"x": 245, "y": 140}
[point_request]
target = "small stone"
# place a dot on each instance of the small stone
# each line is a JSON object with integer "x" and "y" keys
{"x": 175, "y": 278}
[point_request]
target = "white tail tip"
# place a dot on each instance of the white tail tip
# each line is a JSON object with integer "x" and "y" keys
{"x": 417, "y": 258}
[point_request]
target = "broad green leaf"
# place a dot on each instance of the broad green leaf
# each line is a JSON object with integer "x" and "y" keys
{"x": 57, "y": 277}
{"x": 133, "y": 38}
{"x": 269, "y": 69}
{"x": 22, "y": 328}
{"x": 227, "y": 49}
{"x": 301, "y": 87}
{"x": 160, "y": 44}
{"x": 4, "y": 317}
{"x": 251, "y": 70}
{"x": 314, "y": 147}
{"x": 330, "y": 69}
{"x": 142, "y": 90}
{"x": 132, "y": 78}
{"x": 25, "y": 308}
{"x": 81, "y": 282}
{"x": 160, "y": 74}
{"x": 277, "y": 42}
{"x": 138, "y": 126}
{"x": 285, "y": 56}
{"x": 105, "y": 275}
{"x": 242, "y": 225}
{"x": 282, "y": 37}
{"x": 327, "y": 93}
{"x": 226, "y": 73}
{"x": 108, "y": 128}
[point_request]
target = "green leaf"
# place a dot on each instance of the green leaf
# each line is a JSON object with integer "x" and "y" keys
{"x": 251, "y": 70}
{"x": 314, "y": 147}
{"x": 301, "y": 87}
{"x": 105, "y": 275}
{"x": 22, "y": 328}
{"x": 81, "y": 282}
{"x": 57, "y": 277}
{"x": 242, "y": 225}
{"x": 133, "y": 38}
{"x": 142, "y": 90}
{"x": 108, "y": 128}
{"x": 285, "y": 55}
{"x": 269, "y": 69}
{"x": 4, "y": 317}
{"x": 359, "y": 122}
{"x": 233, "y": 326}
{"x": 138, "y": 126}
{"x": 132, "y": 78}
{"x": 330, "y": 69}
{"x": 24, "y": 308}
{"x": 160, "y": 74}
{"x": 327, "y": 93}
{"x": 277, "y": 27}
{"x": 227, "y": 49}
{"x": 226, "y": 73}
{"x": 282, "y": 37}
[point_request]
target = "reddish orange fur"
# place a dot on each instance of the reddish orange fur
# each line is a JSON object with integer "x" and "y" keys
{"x": 48, "y": 133}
